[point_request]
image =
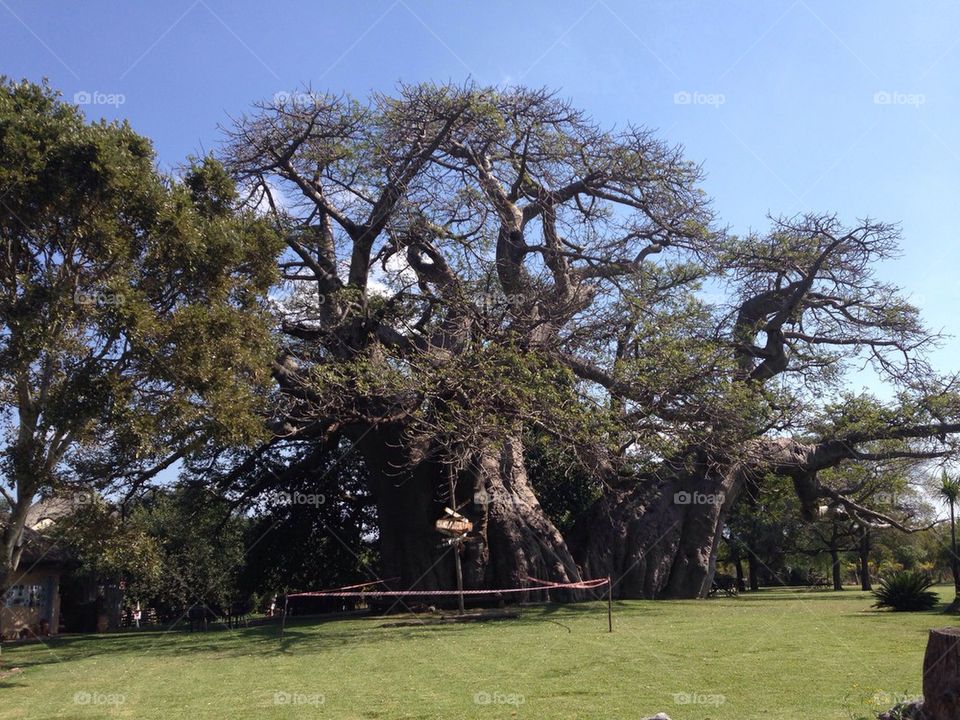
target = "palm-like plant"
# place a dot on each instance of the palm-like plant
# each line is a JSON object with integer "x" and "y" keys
{"x": 950, "y": 491}
{"x": 908, "y": 590}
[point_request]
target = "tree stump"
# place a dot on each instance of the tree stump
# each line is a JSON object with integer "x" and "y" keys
{"x": 941, "y": 674}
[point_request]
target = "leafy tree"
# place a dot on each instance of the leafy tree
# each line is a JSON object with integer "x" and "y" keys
{"x": 200, "y": 546}
{"x": 767, "y": 525}
{"x": 566, "y": 490}
{"x": 108, "y": 550}
{"x": 764, "y": 529}
{"x": 882, "y": 487}
{"x": 309, "y": 529}
{"x": 133, "y": 329}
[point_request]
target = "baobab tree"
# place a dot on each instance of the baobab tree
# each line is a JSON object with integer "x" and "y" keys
{"x": 468, "y": 263}
{"x": 805, "y": 304}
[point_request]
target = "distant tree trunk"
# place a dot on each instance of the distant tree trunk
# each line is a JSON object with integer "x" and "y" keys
{"x": 865, "y": 583}
{"x": 754, "y": 568}
{"x": 513, "y": 540}
{"x": 835, "y": 563}
{"x": 738, "y": 565}
{"x": 954, "y": 559}
{"x": 941, "y": 675}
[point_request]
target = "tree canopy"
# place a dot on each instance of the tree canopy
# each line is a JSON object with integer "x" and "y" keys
{"x": 465, "y": 264}
{"x": 133, "y": 323}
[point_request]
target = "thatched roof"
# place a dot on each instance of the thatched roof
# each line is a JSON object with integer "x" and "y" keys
{"x": 48, "y": 510}
{"x": 37, "y": 547}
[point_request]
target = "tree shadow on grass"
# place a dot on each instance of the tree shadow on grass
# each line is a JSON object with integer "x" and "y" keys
{"x": 306, "y": 635}
{"x": 573, "y": 609}
{"x": 799, "y": 595}
{"x": 9, "y": 675}
{"x": 301, "y": 635}
{"x": 936, "y": 614}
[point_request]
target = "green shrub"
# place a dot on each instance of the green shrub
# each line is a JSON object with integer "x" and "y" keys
{"x": 906, "y": 590}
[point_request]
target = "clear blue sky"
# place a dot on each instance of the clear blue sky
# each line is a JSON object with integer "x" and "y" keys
{"x": 808, "y": 105}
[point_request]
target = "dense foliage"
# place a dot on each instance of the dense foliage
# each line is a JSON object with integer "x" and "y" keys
{"x": 133, "y": 324}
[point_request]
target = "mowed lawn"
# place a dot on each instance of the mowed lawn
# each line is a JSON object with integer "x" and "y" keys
{"x": 775, "y": 654}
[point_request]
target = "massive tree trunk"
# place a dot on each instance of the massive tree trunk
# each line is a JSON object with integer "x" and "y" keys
{"x": 409, "y": 501}
{"x": 513, "y": 540}
{"x": 659, "y": 540}
{"x": 656, "y": 539}
{"x": 520, "y": 540}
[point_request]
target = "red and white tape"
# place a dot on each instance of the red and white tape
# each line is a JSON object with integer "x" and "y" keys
{"x": 543, "y": 585}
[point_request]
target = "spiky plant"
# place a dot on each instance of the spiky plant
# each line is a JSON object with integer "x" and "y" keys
{"x": 908, "y": 590}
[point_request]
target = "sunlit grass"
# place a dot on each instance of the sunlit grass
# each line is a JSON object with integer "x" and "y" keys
{"x": 776, "y": 654}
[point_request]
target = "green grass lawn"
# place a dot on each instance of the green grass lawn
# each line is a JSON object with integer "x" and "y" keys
{"x": 775, "y": 654}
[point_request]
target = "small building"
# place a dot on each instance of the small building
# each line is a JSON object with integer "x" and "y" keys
{"x": 32, "y": 605}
